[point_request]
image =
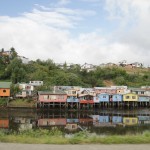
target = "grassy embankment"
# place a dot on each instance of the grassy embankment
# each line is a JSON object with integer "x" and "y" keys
{"x": 57, "y": 137}
{"x": 29, "y": 103}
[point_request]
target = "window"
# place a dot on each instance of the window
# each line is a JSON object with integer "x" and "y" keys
{"x": 133, "y": 121}
{"x": 4, "y": 91}
{"x": 52, "y": 97}
{"x": 133, "y": 97}
{"x": 142, "y": 92}
{"x": 127, "y": 97}
{"x": 73, "y": 92}
{"x": 45, "y": 97}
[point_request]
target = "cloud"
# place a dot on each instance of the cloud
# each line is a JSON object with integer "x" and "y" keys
{"x": 47, "y": 32}
{"x": 133, "y": 26}
{"x": 43, "y": 34}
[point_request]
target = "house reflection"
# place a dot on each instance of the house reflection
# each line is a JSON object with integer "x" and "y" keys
{"x": 71, "y": 122}
{"x": 4, "y": 123}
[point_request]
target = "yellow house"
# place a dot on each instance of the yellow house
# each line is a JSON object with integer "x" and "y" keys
{"x": 71, "y": 127}
{"x": 72, "y": 92}
{"x": 5, "y": 89}
{"x": 131, "y": 97}
{"x": 130, "y": 120}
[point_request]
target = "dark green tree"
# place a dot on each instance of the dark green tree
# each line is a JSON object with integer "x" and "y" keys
{"x": 13, "y": 53}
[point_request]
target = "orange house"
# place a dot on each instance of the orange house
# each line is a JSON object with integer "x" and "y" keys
{"x": 5, "y": 89}
{"x": 4, "y": 123}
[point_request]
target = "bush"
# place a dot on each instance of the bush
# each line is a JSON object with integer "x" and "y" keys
{"x": 3, "y": 101}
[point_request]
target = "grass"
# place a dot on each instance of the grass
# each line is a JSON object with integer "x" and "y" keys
{"x": 57, "y": 137}
{"x": 21, "y": 103}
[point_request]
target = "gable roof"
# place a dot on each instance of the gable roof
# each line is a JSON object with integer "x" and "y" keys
{"x": 5, "y": 85}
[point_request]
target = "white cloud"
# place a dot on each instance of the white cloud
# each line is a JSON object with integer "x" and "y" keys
{"x": 133, "y": 26}
{"x": 47, "y": 33}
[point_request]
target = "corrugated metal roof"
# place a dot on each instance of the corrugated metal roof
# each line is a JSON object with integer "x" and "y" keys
{"x": 51, "y": 92}
{"x": 5, "y": 84}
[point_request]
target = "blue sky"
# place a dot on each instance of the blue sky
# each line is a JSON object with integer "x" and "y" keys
{"x": 92, "y": 31}
{"x": 93, "y": 22}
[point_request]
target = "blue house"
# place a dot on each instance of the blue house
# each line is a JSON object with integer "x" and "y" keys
{"x": 144, "y": 118}
{"x": 117, "y": 119}
{"x": 117, "y": 98}
{"x": 103, "y": 97}
{"x": 103, "y": 119}
{"x": 72, "y": 120}
{"x": 143, "y": 98}
{"x": 72, "y": 99}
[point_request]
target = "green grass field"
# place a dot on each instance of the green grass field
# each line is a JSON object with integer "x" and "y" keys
{"x": 57, "y": 137}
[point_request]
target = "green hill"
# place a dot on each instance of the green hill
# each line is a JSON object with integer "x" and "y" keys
{"x": 12, "y": 69}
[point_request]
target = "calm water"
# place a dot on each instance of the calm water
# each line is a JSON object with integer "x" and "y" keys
{"x": 98, "y": 121}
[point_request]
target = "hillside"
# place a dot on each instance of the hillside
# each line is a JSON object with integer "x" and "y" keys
{"x": 12, "y": 69}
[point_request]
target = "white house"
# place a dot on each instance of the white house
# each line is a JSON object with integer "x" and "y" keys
{"x": 88, "y": 67}
{"x": 24, "y": 59}
{"x": 36, "y": 83}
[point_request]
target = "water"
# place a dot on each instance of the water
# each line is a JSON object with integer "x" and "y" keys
{"x": 101, "y": 122}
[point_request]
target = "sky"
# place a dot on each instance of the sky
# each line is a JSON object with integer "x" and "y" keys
{"x": 77, "y": 31}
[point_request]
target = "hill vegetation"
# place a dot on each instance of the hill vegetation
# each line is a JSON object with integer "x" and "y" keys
{"x": 12, "y": 69}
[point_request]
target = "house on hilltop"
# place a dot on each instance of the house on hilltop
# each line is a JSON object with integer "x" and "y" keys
{"x": 88, "y": 67}
{"x": 24, "y": 59}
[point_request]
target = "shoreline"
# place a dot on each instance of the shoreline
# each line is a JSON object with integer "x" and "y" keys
{"x": 55, "y": 136}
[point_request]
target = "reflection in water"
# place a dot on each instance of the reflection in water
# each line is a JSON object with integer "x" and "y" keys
{"x": 100, "y": 122}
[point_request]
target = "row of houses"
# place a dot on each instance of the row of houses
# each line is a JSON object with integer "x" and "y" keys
{"x": 90, "y": 67}
{"x": 77, "y": 94}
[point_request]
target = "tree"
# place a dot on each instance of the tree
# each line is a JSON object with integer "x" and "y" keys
{"x": 16, "y": 71}
{"x": 14, "y": 89}
{"x": 13, "y": 53}
{"x": 120, "y": 81}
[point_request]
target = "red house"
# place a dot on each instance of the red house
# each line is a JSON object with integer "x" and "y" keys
{"x": 52, "y": 96}
{"x": 86, "y": 96}
{"x": 86, "y": 99}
